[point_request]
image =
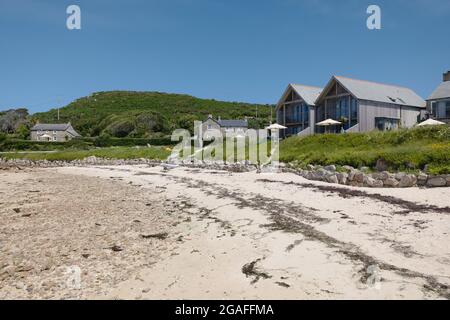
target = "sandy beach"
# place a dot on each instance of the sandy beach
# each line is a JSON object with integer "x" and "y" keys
{"x": 141, "y": 232}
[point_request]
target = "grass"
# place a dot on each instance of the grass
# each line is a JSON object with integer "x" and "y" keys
{"x": 107, "y": 153}
{"x": 407, "y": 149}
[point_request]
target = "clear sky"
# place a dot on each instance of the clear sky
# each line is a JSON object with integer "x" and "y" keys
{"x": 234, "y": 50}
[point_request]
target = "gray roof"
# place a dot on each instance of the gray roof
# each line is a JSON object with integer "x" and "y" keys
{"x": 307, "y": 93}
{"x": 373, "y": 91}
{"x": 442, "y": 92}
{"x": 233, "y": 123}
{"x": 55, "y": 127}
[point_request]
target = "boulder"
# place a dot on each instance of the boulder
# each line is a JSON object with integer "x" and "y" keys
{"x": 332, "y": 178}
{"x": 331, "y": 168}
{"x": 342, "y": 177}
{"x": 399, "y": 176}
{"x": 372, "y": 183}
{"x": 408, "y": 181}
{"x": 348, "y": 168}
{"x": 381, "y": 175}
{"x": 437, "y": 181}
{"x": 422, "y": 179}
{"x": 359, "y": 177}
{"x": 391, "y": 182}
{"x": 351, "y": 175}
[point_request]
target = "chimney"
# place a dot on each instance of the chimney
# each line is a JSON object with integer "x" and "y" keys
{"x": 218, "y": 119}
{"x": 209, "y": 116}
{"x": 447, "y": 76}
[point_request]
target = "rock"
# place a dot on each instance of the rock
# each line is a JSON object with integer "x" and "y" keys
{"x": 359, "y": 177}
{"x": 348, "y": 168}
{"x": 310, "y": 167}
{"x": 399, "y": 176}
{"x": 448, "y": 180}
{"x": 331, "y": 168}
{"x": 372, "y": 183}
{"x": 365, "y": 169}
{"x": 391, "y": 182}
{"x": 381, "y": 175}
{"x": 422, "y": 179}
{"x": 351, "y": 175}
{"x": 322, "y": 172}
{"x": 408, "y": 181}
{"x": 437, "y": 181}
{"x": 381, "y": 165}
{"x": 332, "y": 179}
{"x": 342, "y": 177}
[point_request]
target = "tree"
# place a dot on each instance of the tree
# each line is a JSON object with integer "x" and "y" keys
{"x": 23, "y": 132}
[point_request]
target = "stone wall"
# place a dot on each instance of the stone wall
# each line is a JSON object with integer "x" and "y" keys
{"x": 363, "y": 178}
{"x": 347, "y": 175}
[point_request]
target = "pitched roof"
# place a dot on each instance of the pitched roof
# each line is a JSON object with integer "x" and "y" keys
{"x": 55, "y": 127}
{"x": 374, "y": 91}
{"x": 50, "y": 127}
{"x": 443, "y": 91}
{"x": 307, "y": 93}
{"x": 233, "y": 123}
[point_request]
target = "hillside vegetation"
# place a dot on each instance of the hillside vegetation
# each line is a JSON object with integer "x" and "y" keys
{"x": 407, "y": 149}
{"x": 147, "y": 114}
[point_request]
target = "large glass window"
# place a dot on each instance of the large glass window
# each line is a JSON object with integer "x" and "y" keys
{"x": 447, "y": 109}
{"x": 353, "y": 112}
{"x": 386, "y": 124}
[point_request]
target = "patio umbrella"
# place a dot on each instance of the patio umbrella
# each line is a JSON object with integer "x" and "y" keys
{"x": 328, "y": 123}
{"x": 430, "y": 122}
{"x": 276, "y": 126}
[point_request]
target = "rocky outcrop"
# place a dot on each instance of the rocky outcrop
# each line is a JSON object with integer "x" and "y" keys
{"x": 15, "y": 163}
{"x": 362, "y": 177}
{"x": 345, "y": 175}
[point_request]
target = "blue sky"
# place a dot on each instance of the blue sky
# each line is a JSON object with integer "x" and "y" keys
{"x": 234, "y": 50}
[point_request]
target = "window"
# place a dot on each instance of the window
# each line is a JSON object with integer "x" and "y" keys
{"x": 54, "y": 131}
{"x": 209, "y": 127}
{"x": 447, "y": 109}
{"x": 386, "y": 124}
{"x": 353, "y": 112}
{"x": 54, "y": 138}
{"x": 434, "y": 108}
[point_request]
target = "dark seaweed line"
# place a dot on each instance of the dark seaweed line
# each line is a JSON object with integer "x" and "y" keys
{"x": 284, "y": 223}
{"x": 287, "y": 224}
{"x": 345, "y": 193}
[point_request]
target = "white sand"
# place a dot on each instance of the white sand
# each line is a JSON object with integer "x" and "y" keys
{"x": 304, "y": 242}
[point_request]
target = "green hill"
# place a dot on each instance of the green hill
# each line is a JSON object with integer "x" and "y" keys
{"x": 147, "y": 114}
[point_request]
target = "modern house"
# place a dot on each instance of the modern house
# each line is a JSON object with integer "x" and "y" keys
{"x": 225, "y": 125}
{"x": 359, "y": 105}
{"x": 438, "y": 104}
{"x": 296, "y": 109}
{"x": 53, "y": 132}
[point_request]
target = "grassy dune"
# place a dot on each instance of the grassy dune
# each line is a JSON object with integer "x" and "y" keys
{"x": 407, "y": 149}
